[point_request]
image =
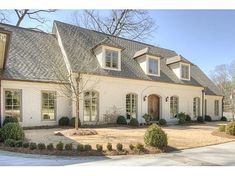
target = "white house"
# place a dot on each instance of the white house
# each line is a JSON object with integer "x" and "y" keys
{"x": 117, "y": 76}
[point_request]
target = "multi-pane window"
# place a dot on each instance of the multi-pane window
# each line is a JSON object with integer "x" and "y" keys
{"x": 196, "y": 107}
{"x": 48, "y": 105}
{"x": 91, "y": 102}
{"x": 153, "y": 66}
{"x": 184, "y": 71}
{"x": 13, "y": 104}
{"x": 131, "y": 106}
{"x": 216, "y": 108}
{"x": 174, "y": 106}
{"x": 111, "y": 59}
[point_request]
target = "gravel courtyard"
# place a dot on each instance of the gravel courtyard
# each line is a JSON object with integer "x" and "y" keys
{"x": 179, "y": 137}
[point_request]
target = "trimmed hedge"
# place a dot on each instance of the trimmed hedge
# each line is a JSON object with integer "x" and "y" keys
{"x": 134, "y": 122}
{"x": 9, "y": 120}
{"x": 41, "y": 146}
{"x": 12, "y": 131}
{"x": 155, "y": 136}
{"x": 72, "y": 122}
{"x": 119, "y": 147}
{"x": 131, "y": 147}
{"x": 99, "y": 147}
{"x": 188, "y": 118}
{"x": 32, "y": 146}
{"x": 200, "y": 119}
{"x": 230, "y": 128}
{"x": 87, "y": 147}
{"x": 109, "y": 147}
{"x": 181, "y": 117}
{"x": 25, "y": 145}
{"x": 208, "y": 118}
{"x": 50, "y": 146}
{"x": 19, "y": 143}
{"x": 64, "y": 121}
{"x": 222, "y": 128}
{"x": 80, "y": 148}
{"x": 68, "y": 146}
{"x": 121, "y": 120}
{"x": 224, "y": 119}
{"x": 60, "y": 146}
{"x": 9, "y": 143}
{"x": 162, "y": 122}
{"x": 140, "y": 147}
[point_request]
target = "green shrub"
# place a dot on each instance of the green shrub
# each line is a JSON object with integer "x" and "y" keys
{"x": 1, "y": 139}
{"x": 131, "y": 147}
{"x": 80, "y": 148}
{"x": 32, "y": 146}
{"x": 9, "y": 143}
{"x": 12, "y": 131}
{"x": 222, "y": 128}
{"x": 140, "y": 147}
{"x": 9, "y": 120}
{"x": 230, "y": 128}
{"x": 121, "y": 120}
{"x": 119, "y": 147}
{"x": 25, "y": 145}
{"x": 188, "y": 118}
{"x": 87, "y": 147}
{"x": 68, "y": 146}
{"x": 64, "y": 121}
{"x": 41, "y": 146}
{"x": 109, "y": 147}
{"x": 60, "y": 146}
{"x": 208, "y": 118}
{"x": 162, "y": 122}
{"x": 134, "y": 122}
{"x": 147, "y": 117}
{"x": 72, "y": 122}
{"x": 99, "y": 147}
{"x": 19, "y": 143}
{"x": 155, "y": 136}
{"x": 50, "y": 146}
{"x": 200, "y": 119}
{"x": 181, "y": 117}
{"x": 224, "y": 119}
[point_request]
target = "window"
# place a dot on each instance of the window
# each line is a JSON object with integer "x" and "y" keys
{"x": 196, "y": 107}
{"x": 216, "y": 108}
{"x": 174, "y": 106}
{"x": 153, "y": 66}
{"x": 131, "y": 106}
{"x": 184, "y": 71}
{"x": 111, "y": 59}
{"x": 48, "y": 105}
{"x": 91, "y": 99}
{"x": 13, "y": 104}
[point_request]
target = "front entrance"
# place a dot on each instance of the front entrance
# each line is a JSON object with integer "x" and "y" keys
{"x": 154, "y": 107}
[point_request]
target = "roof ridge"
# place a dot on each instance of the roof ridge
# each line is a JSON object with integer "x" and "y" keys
{"x": 131, "y": 40}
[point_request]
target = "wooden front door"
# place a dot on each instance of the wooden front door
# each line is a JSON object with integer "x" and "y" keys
{"x": 154, "y": 106}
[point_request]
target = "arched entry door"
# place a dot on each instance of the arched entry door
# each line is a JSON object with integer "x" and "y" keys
{"x": 154, "y": 107}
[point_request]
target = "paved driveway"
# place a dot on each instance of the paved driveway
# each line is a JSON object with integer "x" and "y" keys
{"x": 222, "y": 154}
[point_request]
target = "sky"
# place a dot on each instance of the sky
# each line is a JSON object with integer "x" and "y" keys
{"x": 205, "y": 37}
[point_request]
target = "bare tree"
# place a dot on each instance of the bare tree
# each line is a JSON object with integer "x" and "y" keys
{"x": 132, "y": 24}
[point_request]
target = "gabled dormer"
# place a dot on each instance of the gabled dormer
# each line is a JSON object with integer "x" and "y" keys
{"x": 4, "y": 46}
{"x": 108, "y": 54}
{"x": 149, "y": 61}
{"x": 180, "y": 66}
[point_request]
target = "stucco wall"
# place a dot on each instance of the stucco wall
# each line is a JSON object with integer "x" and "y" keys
{"x": 210, "y": 106}
{"x": 112, "y": 93}
{"x": 31, "y": 102}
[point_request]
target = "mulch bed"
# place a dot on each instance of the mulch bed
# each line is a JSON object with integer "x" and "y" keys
{"x": 222, "y": 134}
{"x": 74, "y": 132}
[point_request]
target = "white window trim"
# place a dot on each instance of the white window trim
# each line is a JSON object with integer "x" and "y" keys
{"x": 104, "y": 48}
{"x": 215, "y": 108}
{"x": 159, "y": 63}
{"x": 55, "y": 104}
{"x": 188, "y": 71}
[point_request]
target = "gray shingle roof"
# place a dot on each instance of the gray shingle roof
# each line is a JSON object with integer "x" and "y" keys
{"x": 177, "y": 58}
{"x": 77, "y": 42}
{"x": 33, "y": 56}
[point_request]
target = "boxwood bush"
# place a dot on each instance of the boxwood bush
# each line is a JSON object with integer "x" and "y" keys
{"x": 181, "y": 117}
{"x": 32, "y": 146}
{"x": 60, "y": 146}
{"x": 200, "y": 119}
{"x": 134, "y": 122}
{"x": 1, "y": 139}
{"x": 87, "y": 147}
{"x": 224, "y": 119}
{"x": 68, "y": 146}
{"x": 80, "y": 148}
{"x": 188, "y": 118}
{"x": 9, "y": 143}
{"x": 99, "y": 147}
{"x": 162, "y": 122}
{"x": 64, "y": 121}
{"x": 222, "y": 128}
{"x": 19, "y": 143}
{"x": 12, "y": 131}
{"x": 119, "y": 147}
{"x": 72, "y": 122}
{"x": 131, "y": 147}
{"x": 50, "y": 146}
{"x": 41, "y": 146}
{"x": 109, "y": 147}
{"x": 208, "y": 118}
{"x": 9, "y": 120}
{"x": 121, "y": 120}
{"x": 147, "y": 117}
{"x": 230, "y": 128}
{"x": 25, "y": 145}
{"x": 140, "y": 147}
{"x": 155, "y": 136}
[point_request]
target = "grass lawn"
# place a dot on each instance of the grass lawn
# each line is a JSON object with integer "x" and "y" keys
{"x": 179, "y": 137}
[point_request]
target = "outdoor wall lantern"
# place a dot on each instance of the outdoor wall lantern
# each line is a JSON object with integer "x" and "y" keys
{"x": 145, "y": 97}
{"x": 167, "y": 99}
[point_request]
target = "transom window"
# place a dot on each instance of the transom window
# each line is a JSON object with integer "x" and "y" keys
{"x": 196, "y": 107}
{"x": 174, "y": 106}
{"x": 91, "y": 102}
{"x": 111, "y": 59}
{"x": 131, "y": 106}
{"x": 184, "y": 71}
{"x": 216, "y": 108}
{"x": 13, "y": 104}
{"x": 48, "y": 105}
{"x": 153, "y": 66}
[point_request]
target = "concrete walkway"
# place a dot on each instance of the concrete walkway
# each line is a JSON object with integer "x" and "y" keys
{"x": 219, "y": 155}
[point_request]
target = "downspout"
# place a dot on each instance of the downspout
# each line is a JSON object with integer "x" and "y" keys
{"x": 203, "y": 104}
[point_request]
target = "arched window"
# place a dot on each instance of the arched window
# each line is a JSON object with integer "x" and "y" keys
{"x": 131, "y": 106}
{"x": 196, "y": 107}
{"x": 174, "y": 106}
{"x": 91, "y": 106}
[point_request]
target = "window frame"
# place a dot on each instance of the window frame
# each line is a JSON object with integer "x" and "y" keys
{"x": 181, "y": 70}
{"x": 199, "y": 107}
{"x": 148, "y": 65}
{"x": 136, "y": 104}
{"x": 55, "y": 105}
{"x": 4, "y": 102}
{"x": 104, "y": 49}
{"x": 174, "y": 96}
{"x": 216, "y": 109}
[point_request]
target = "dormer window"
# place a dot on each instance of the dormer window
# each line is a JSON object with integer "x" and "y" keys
{"x": 111, "y": 59}
{"x": 185, "y": 71}
{"x": 154, "y": 66}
